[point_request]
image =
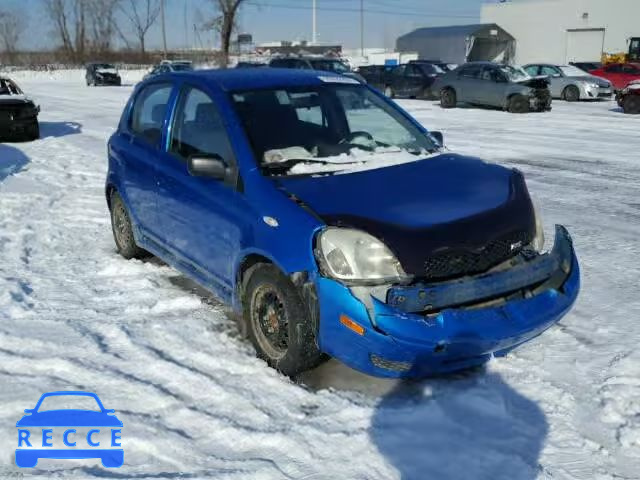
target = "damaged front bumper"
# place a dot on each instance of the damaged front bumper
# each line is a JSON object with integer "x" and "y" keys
{"x": 424, "y": 329}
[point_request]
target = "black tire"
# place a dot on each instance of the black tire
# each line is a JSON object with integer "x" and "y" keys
{"x": 123, "y": 230}
{"x": 278, "y": 322}
{"x": 571, "y": 94}
{"x": 448, "y": 98}
{"x": 388, "y": 91}
{"x": 518, "y": 104}
{"x": 631, "y": 104}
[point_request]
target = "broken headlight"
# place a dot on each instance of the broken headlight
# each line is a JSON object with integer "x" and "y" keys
{"x": 352, "y": 255}
{"x": 538, "y": 241}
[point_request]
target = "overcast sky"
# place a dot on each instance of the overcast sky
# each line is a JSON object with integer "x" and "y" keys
{"x": 273, "y": 20}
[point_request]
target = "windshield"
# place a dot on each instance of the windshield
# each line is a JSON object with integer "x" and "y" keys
{"x": 571, "y": 71}
{"x": 330, "y": 66}
{"x": 105, "y": 66}
{"x": 430, "y": 68}
{"x": 327, "y": 129}
{"x": 514, "y": 74}
{"x": 7, "y": 87}
{"x": 69, "y": 402}
{"x": 181, "y": 67}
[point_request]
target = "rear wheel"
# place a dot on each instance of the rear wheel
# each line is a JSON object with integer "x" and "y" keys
{"x": 631, "y": 104}
{"x": 123, "y": 230}
{"x": 571, "y": 93}
{"x": 448, "y": 98}
{"x": 278, "y": 321}
{"x": 518, "y": 104}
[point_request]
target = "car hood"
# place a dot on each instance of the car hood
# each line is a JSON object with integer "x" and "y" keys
{"x": 534, "y": 82}
{"x": 14, "y": 100}
{"x": 69, "y": 418}
{"x": 601, "y": 82}
{"x": 423, "y": 208}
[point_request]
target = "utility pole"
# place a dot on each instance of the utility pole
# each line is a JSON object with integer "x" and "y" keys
{"x": 362, "y": 27}
{"x": 314, "y": 35}
{"x": 164, "y": 29}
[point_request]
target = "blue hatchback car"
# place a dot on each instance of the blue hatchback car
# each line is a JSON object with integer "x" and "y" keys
{"x": 333, "y": 223}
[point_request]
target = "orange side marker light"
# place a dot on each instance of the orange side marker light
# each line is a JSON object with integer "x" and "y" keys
{"x": 351, "y": 325}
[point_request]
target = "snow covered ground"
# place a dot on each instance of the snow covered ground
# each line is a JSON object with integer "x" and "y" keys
{"x": 196, "y": 403}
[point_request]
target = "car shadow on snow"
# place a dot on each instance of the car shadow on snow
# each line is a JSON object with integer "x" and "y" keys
{"x": 59, "y": 129}
{"x": 467, "y": 426}
{"x": 12, "y": 161}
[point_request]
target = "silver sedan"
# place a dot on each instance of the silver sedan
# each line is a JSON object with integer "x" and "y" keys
{"x": 570, "y": 83}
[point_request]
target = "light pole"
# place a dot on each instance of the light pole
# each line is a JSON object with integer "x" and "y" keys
{"x": 164, "y": 29}
{"x": 362, "y": 27}
{"x": 314, "y": 35}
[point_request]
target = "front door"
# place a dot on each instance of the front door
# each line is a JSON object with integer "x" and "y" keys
{"x": 202, "y": 218}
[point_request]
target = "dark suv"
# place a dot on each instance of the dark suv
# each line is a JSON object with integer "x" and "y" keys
{"x": 18, "y": 113}
{"x": 102, "y": 74}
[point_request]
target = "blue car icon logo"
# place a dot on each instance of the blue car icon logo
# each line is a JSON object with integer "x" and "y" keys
{"x": 86, "y": 433}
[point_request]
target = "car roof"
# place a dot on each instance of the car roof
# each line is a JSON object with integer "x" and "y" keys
{"x": 237, "y": 79}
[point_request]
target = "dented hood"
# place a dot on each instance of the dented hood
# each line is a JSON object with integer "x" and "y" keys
{"x": 535, "y": 82}
{"x": 422, "y": 208}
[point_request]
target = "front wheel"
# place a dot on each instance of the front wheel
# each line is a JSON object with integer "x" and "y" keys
{"x": 571, "y": 93}
{"x": 278, "y": 321}
{"x": 123, "y": 230}
{"x": 33, "y": 131}
{"x": 518, "y": 104}
{"x": 448, "y": 98}
{"x": 631, "y": 104}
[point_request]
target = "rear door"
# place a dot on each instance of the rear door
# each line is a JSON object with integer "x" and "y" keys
{"x": 469, "y": 83}
{"x": 414, "y": 81}
{"x": 202, "y": 218}
{"x": 137, "y": 149}
{"x": 614, "y": 74}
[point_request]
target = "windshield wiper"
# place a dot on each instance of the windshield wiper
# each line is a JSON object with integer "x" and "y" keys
{"x": 290, "y": 163}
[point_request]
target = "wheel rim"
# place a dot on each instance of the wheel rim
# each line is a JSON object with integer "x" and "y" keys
{"x": 270, "y": 321}
{"x": 388, "y": 92}
{"x": 121, "y": 226}
{"x": 447, "y": 98}
{"x": 572, "y": 94}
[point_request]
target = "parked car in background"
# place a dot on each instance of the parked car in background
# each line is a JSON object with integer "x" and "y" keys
{"x": 494, "y": 85}
{"x": 413, "y": 80}
{"x": 570, "y": 83}
{"x": 619, "y": 74}
{"x": 629, "y": 98}
{"x": 18, "y": 113}
{"x": 586, "y": 66}
{"x": 168, "y": 66}
{"x": 102, "y": 74}
{"x": 324, "y": 64}
{"x": 333, "y": 230}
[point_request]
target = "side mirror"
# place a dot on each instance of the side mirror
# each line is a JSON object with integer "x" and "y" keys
{"x": 212, "y": 166}
{"x": 109, "y": 410}
{"x": 438, "y": 136}
{"x": 28, "y": 410}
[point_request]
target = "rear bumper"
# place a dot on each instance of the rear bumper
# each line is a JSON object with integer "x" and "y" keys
{"x": 466, "y": 321}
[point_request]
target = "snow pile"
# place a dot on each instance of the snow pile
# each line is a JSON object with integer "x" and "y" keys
{"x": 194, "y": 400}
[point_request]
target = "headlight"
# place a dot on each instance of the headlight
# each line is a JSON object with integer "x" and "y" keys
{"x": 353, "y": 255}
{"x": 538, "y": 240}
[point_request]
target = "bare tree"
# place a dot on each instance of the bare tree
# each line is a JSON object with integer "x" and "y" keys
{"x": 142, "y": 17}
{"x": 68, "y": 17}
{"x": 225, "y": 23}
{"x": 103, "y": 23}
{"x": 11, "y": 28}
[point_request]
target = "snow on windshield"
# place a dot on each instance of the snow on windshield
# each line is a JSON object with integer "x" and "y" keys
{"x": 311, "y": 129}
{"x": 7, "y": 87}
{"x": 514, "y": 74}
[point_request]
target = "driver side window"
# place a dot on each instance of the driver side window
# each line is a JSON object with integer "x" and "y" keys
{"x": 549, "y": 71}
{"x": 198, "y": 128}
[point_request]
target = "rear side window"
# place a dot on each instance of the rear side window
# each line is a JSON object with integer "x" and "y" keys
{"x": 198, "y": 128}
{"x": 149, "y": 110}
{"x": 614, "y": 69}
{"x": 532, "y": 70}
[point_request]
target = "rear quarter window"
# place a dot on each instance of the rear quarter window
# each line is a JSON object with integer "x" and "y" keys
{"x": 149, "y": 111}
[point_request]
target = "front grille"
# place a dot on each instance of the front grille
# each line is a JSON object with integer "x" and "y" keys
{"x": 460, "y": 262}
{"x": 8, "y": 114}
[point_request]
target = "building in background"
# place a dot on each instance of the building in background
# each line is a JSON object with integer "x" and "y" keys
{"x": 460, "y": 43}
{"x": 563, "y": 31}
